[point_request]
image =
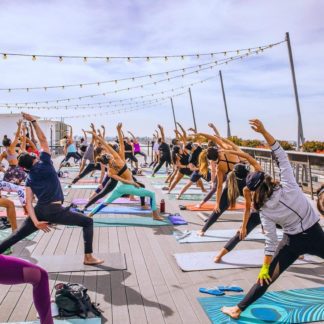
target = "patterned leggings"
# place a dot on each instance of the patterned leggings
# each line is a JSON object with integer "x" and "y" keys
{"x": 11, "y": 187}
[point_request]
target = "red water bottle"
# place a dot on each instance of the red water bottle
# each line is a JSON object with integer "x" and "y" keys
{"x": 162, "y": 206}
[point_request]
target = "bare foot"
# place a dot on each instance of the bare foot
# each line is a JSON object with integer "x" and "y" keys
{"x": 178, "y": 197}
{"x": 199, "y": 205}
{"x": 200, "y": 233}
{"x": 217, "y": 259}
{"x": 89, "y": 259}
{"x": 145, "y": 207}
{"x": 233, "y": 312}
{"x": 301, "y": 257}
{"x": 156, "y": 216}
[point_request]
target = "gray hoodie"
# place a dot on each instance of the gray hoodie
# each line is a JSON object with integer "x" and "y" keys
{"x": 287, "y": 206}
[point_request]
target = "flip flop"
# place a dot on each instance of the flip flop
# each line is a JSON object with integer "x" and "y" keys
{"x": 183, "y": 235}
{"x": 212, "y": 291}
{"x": 230, "y": 288}
{"x": 182, "y": 207}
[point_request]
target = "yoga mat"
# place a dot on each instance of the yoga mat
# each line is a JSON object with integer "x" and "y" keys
{"x": 237, "y": 259}
{"x": 6, "y": 232}
{"x": 217, "y": 236}
{"x": 287, "y": 306}
{"x": 210, "y": 207}
{"x": 125, "y": 222}
{"x": 135, "y": 210}
{"x": 196, "y": 197}
{"x": 19, "y": 213}
{"x": 89, "y": 180}
{"x": 190, "y": 191}
{"x": 157, "y": 176}
{"x": 83, "y": 201}
{"x": 74, "y": 263}
{"x": 82, "y": 186}
{"x": 177, "y": 220}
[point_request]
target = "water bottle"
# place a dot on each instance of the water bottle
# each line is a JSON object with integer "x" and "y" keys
{"x": 162, "y": 206}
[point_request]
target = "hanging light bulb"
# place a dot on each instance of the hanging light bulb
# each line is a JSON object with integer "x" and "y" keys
{"x": 107, "y": 59}
{"x": 148, "y": 59}
{"x": 98, "y": 84}
{"x": 60, "y": 58}
{"x": 34, "y": 57}
{"x": 182, "y": 57}
{"x": 198, "y": 56}
{"x": 133, "y": 79}
{"x": 27, "y": 89}
{"x": 238, "y": 52}
{"x": 45, "y": 88}
{"x": 128, "y": 59}
{"x": 81, "y": 85}
{"x": 4, "y": 56}
{"x": 85, "y": 59}
{"x": 63, "y": 87}
{"x": 212, "y": 55}
{"x": 9, "y": 90}
{"x": 225, "y": 53}
{"x": 165, "y": 58}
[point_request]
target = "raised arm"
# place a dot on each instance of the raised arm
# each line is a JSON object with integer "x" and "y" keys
{"x": 71, "y": 133}
{"x": 246, "y": 156}
{"x": 121, "y": 141}
{"x": 32, "y": 135}
{"x": 132, "y": 135}
{"x": 184, "y": 133}
{"x": 103, "y": 131}
{"x": 213, "y": 127}
{"x": 162, "y": 133}
{"x": 39, "y": 133}
{"x": 31, "y": 144}
{"x": 23, "y": 138}
{"x": 16, "y": 139}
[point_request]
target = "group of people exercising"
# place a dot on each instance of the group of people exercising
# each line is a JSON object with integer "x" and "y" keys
{"x": 205, "y": 159}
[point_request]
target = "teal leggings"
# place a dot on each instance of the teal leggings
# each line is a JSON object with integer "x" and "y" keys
{"x": 126, "y": 189}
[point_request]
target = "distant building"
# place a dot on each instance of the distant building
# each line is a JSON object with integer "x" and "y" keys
{"x": 54, "y": 130}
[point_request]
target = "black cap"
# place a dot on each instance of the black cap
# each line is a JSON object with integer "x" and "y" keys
{"x": 254, "y": 179}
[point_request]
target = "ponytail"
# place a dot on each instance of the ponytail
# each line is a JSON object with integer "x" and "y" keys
{"x": 263, "y": 192}
{"x": 233, "y": 191}
{"x": 203, "y": 163}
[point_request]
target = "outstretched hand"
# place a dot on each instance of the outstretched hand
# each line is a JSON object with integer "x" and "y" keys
{"x": 257, "y": 125}
{"x": 119, "y": 126}
{"x": 28, "y": 117}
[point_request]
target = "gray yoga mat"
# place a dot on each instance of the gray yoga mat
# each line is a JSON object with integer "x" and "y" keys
{"x": 95, "y": 320}
{"x": 83, "y": 186}
{"x": 217, "y": 236}
{"x": 237, "y": 259}
{"x": 74, "y": 263}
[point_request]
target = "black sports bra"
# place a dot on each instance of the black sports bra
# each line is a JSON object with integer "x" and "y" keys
{"x": 122, "y": 170}
{"x": 228, "y": 163}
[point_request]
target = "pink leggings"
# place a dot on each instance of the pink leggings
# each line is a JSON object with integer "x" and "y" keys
{"x": 15, "y": 271}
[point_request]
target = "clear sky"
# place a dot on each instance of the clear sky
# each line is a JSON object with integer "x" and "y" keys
{"x": 258, "y": 86}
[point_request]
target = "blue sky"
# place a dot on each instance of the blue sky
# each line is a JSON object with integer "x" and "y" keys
{"x": 258, "y": 86}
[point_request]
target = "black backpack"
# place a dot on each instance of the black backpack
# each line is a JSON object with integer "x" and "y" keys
{"x": 73, "y": 300}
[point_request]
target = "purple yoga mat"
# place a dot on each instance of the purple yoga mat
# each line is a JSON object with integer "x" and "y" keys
{"x": 83, "y": 201}
{"x": 177, "y": 220}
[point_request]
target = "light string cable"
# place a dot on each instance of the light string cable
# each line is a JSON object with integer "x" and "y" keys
{"x": 147, "y": 58}
{"x": 216, "y": 63}
{"x": 99, "y": 83}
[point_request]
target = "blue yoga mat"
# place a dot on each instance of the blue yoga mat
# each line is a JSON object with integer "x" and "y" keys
{"x": 289, "y": 306}
{"x": 136, "y": 210}
{"x": 125, "y": 222}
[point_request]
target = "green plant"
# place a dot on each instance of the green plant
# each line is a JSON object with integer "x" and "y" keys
{"x": 313, "y": 146}
{"x": 286, "y": 145}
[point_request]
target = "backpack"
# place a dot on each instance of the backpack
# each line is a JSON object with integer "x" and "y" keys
{"x": 73, "y": 300}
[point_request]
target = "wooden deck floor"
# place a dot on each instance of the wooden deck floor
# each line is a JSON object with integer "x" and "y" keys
{"x": 152, "y": 289}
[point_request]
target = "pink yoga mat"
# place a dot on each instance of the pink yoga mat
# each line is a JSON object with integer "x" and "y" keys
{"x": 88, "y": 181}
{"x": 83, "y": 201}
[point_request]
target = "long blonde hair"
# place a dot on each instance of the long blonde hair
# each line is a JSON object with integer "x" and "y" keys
{"x": 233, "y": 191}
{"x": 203, "y": 163}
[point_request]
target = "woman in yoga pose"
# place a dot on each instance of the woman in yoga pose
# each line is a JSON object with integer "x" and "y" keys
{"x": 226, "y": 163}
{"x": 14, "y": 174}
{"x": 164, "y": 152}
{"x": 43, "y": 182}
{"x": 284, "y": 204}
{"x": 127, "y": 184}
{"x": 137, "y": 147}
{"x": 14, "y": 271}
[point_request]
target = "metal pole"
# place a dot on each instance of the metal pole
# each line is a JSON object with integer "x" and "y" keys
{"x": 174, "y": 119}
{"x": 192, "y": 109}
{"x": 300, "y": 135}
{"x": 225, "y": 105}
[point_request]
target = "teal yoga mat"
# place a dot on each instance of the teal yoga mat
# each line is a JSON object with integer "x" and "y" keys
{"x": 135, "y": 210}
{"x": 125, "y": 222}
{"x": 289, "y": 306}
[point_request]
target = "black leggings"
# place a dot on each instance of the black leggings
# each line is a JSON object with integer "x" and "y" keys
{"x": 223, "y": 205}
{"x": 289, "y": 249}
{"x": 131, "y": 157}
{"x": 252, "y": 223}
{"x": 55, "y": 214}
{"x": 108, "y": 187}
{"x": 89, "y": 168}
{"x": 75, "y": 155}
{"x": 163, "y": 159}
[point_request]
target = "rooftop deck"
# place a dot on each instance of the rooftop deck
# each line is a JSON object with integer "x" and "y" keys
{"x": 153, "y": 289}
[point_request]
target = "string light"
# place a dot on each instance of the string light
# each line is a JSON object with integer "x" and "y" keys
{"x": 4, "y": 56}
{"x": 108, "y": 58}
{"x": 124, "y": 89}
{"x": 85, "y": 59}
